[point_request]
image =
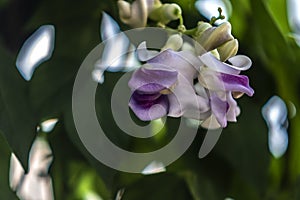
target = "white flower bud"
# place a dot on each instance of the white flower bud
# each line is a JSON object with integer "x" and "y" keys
{"x": 174, "y": 42}
{"x": 135, "y": 14}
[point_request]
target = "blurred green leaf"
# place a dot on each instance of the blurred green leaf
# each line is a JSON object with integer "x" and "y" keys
{"x": 84, "y": 181}
{"x": 17, "y": 119}
{"x": 245, "y": 143}
{"x": 278, "y": 11}
{"x": 3, "y": 3}
{"x": 159, "y": 186}
{"x": 240, "y": 13}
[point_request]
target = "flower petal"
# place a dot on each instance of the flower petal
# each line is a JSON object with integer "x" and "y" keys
{"x": 219, "y": 109}
{"x": 142, "y": 97}
{"x": 233, "y": 110}
{"x": 150, "y": 79}
{"x": 237, "y": 83}
{"x": 149, "y": 110}
{"x": 216, "y": 81}
{"x": 144, "y": 54}
{"x": 240, "y": 62}
{"x": 210, "y": 123}
{"x": 185, "y": 62}
{"x": 185, "y": 102}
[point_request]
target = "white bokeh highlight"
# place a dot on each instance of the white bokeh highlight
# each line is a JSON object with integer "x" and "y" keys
{"x": 293, "y": 12}
{"x": 154, "y": 167}
{"x": 36, "y": 49}
{"x": 48, "y": 125}
{"x": 37, "y": 183}
{"x": 209, "y": 9}
{"x": 275, "y": 114}
{"x": 118, "y": 54}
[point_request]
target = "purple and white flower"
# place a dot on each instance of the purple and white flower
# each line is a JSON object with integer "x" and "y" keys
{"x": 222, "y": 81}
{"x": 164, "y": 86}
{"x": 167, "y": 80}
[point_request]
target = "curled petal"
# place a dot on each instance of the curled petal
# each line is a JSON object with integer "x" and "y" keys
{"x": 149, "y": 110}
{"x": 216, "y": 81}
{"x": 237, "y": 83}
{"x": 240, "y": 63}
{"x": 149, "y": 79}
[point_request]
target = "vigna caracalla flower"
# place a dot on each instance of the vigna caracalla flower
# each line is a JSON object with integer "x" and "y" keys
{"x": 198, "y": 80}
{"x": 165, "y": 86}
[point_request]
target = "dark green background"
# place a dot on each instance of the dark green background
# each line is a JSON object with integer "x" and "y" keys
{"x": 240, "y": 166}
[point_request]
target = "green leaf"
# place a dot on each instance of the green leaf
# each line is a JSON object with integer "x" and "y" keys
{"x": 278, "y": 12}
{"x": 159, "y": 186}
{"x": 17, "y": 120}
{"x": 245, "y": 143}
{"x": 3, "y": 3}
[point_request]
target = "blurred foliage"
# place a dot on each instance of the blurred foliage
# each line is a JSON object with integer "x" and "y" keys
{"x": 240, "y": 166}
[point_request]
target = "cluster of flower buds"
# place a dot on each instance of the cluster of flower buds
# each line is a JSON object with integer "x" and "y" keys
{"x": 137, "y": 13}
{"x": 197, "y": 80}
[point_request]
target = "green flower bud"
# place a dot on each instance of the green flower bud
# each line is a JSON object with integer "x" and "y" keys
{"x": 166, "y": 13}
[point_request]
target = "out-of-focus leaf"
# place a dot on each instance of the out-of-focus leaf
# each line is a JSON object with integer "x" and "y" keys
{"x": 5, "y": 191}
{"x": 3, "y": 3}
{"x": 69, "y": 167}
{"x": 282, "y": 60}
{"x": 107, "y": 174}
{"x": 244, "y": 144}
{"x": 85, "y": 181}
{"x": 17, "y": 120}
{"x": 200, "y": 187}
{"x": 240, "y": 13}
{"x": 160, "y": 187}
{"x": 278, "y": 11}
{"x": 51, "y": 87}
{"x": 241, "y": 189}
